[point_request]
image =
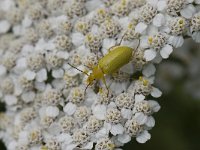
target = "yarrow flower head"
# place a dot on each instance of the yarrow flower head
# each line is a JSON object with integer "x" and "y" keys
{"x": 51, "y": 62}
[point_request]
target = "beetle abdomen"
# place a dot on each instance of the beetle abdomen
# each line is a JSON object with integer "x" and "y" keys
{"x": 114, "y": 60}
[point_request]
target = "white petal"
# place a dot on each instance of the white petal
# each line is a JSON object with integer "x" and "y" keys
{"x": 124, "y": 22}
{"x": 108, "y": 43}
{"x": 99, "y": 112}
{"x": 152, "y": 2}
{"x": 102, "y": 133}
{"x": 54, "y": 129}
{"x": 52, "y": 111}
{"x": 58, "y": 73}
{"x": 139, "y": 97}
{"x": 27, "y": 49}
{"x": 143, "y": 137}
{"x": 111, "y": 105}
{"x": 154, "y": 105}
{"x": 161, "y": 5}
{"x": 88, "y": 146}
{"x": 30, "y": 75}
{"x": 28, "y": 96}
{"x": 40, "y": 86}
{"x": 77, "y": 39}
{"x": 140, "y": 27}
{"x": 166, "y": 51}
{"x": 197, "y": 1}
{"x": 156, "y": 92}
{"x": 23, "y": 137}
{"x": 159, "y": 20}
{"x": 21, "y": 65}
{"x": 157, "y": 59}
{"x": 189, "y": 1}
{"x": 117, "y": 129}
{"x": 18, "y": 30}
{"x": 10, "y": 100}
{"x": 58, "y": 84}
{"x": 26, "y": 22}
{"x": 140, "y": 118}
{"x": 6, "y": 5}
{"x": 91, "y": 5}
{"x": 149, "y": 70}
{"x": 94, "y": 29}
{"x": 126, "y": 113}
{"x": 150, "y": 122}
{"x": 70, "y": 147}
{"x": 118, "y": 87}
{"x": 2, "y": 70}
{"x": 152, "y": 30}
{"x": 176, "y": 41}
{"x": 150, "y": 54}
{"x": 124, "y": 138}
{"x": 196, "y": 37}
{"x": 64, "y": 137}
{"x": 41, "y": 75}
{"x": 188, "y": 12}
{"x": 18, "y": 89}
{"x": 144, "y": 42}
{"x": 50, "y": 45}
{"x": 70, "y": 109}
{"x": 12, "y": 145}
{"x": 128, "y": 68}
{"x": 4, "y": 26}
{"x": 63, "y": 54}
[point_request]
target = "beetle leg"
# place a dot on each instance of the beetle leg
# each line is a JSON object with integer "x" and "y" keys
{"x": 117, "y": 44}
{"x": 137, "y": 47}
{"x": 109, "y": 50}
{"x": 104, "y": 82}
{"x": 86, "y": 88}
{"x": 121, "y": 39}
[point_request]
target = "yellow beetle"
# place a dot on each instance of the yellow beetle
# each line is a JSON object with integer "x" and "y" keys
{"x": 111, "y": 62}
{"x": 117, "y": 57}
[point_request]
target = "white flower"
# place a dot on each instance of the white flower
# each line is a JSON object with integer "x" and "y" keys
{"x": 143, "y": 137}
{"x": 140, "y": 28}
{"x": 188, "y": 12}
{"x": 4, "y": 26}
{"x": 69, "y": 109}
{"x": 10, "y": 100}
{"x": 149, "y": 70}
{"x": 150, "y": 54}
{"x": 52, "y": 111}
{"x": 159, "y": 20}
{"x": 99, "y": 112}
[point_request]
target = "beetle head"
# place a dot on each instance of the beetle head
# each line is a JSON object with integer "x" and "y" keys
{"x": 95, "y": 75}
{"x": 91, "y": 78}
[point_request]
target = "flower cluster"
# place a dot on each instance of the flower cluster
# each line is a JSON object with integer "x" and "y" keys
{"x": 44, "y": 45}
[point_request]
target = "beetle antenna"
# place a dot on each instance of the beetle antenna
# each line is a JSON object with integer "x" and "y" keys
{"x": 78, "y": 69}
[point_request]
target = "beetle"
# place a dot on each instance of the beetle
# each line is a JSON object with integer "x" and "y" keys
{"x": 117, "y": 57}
